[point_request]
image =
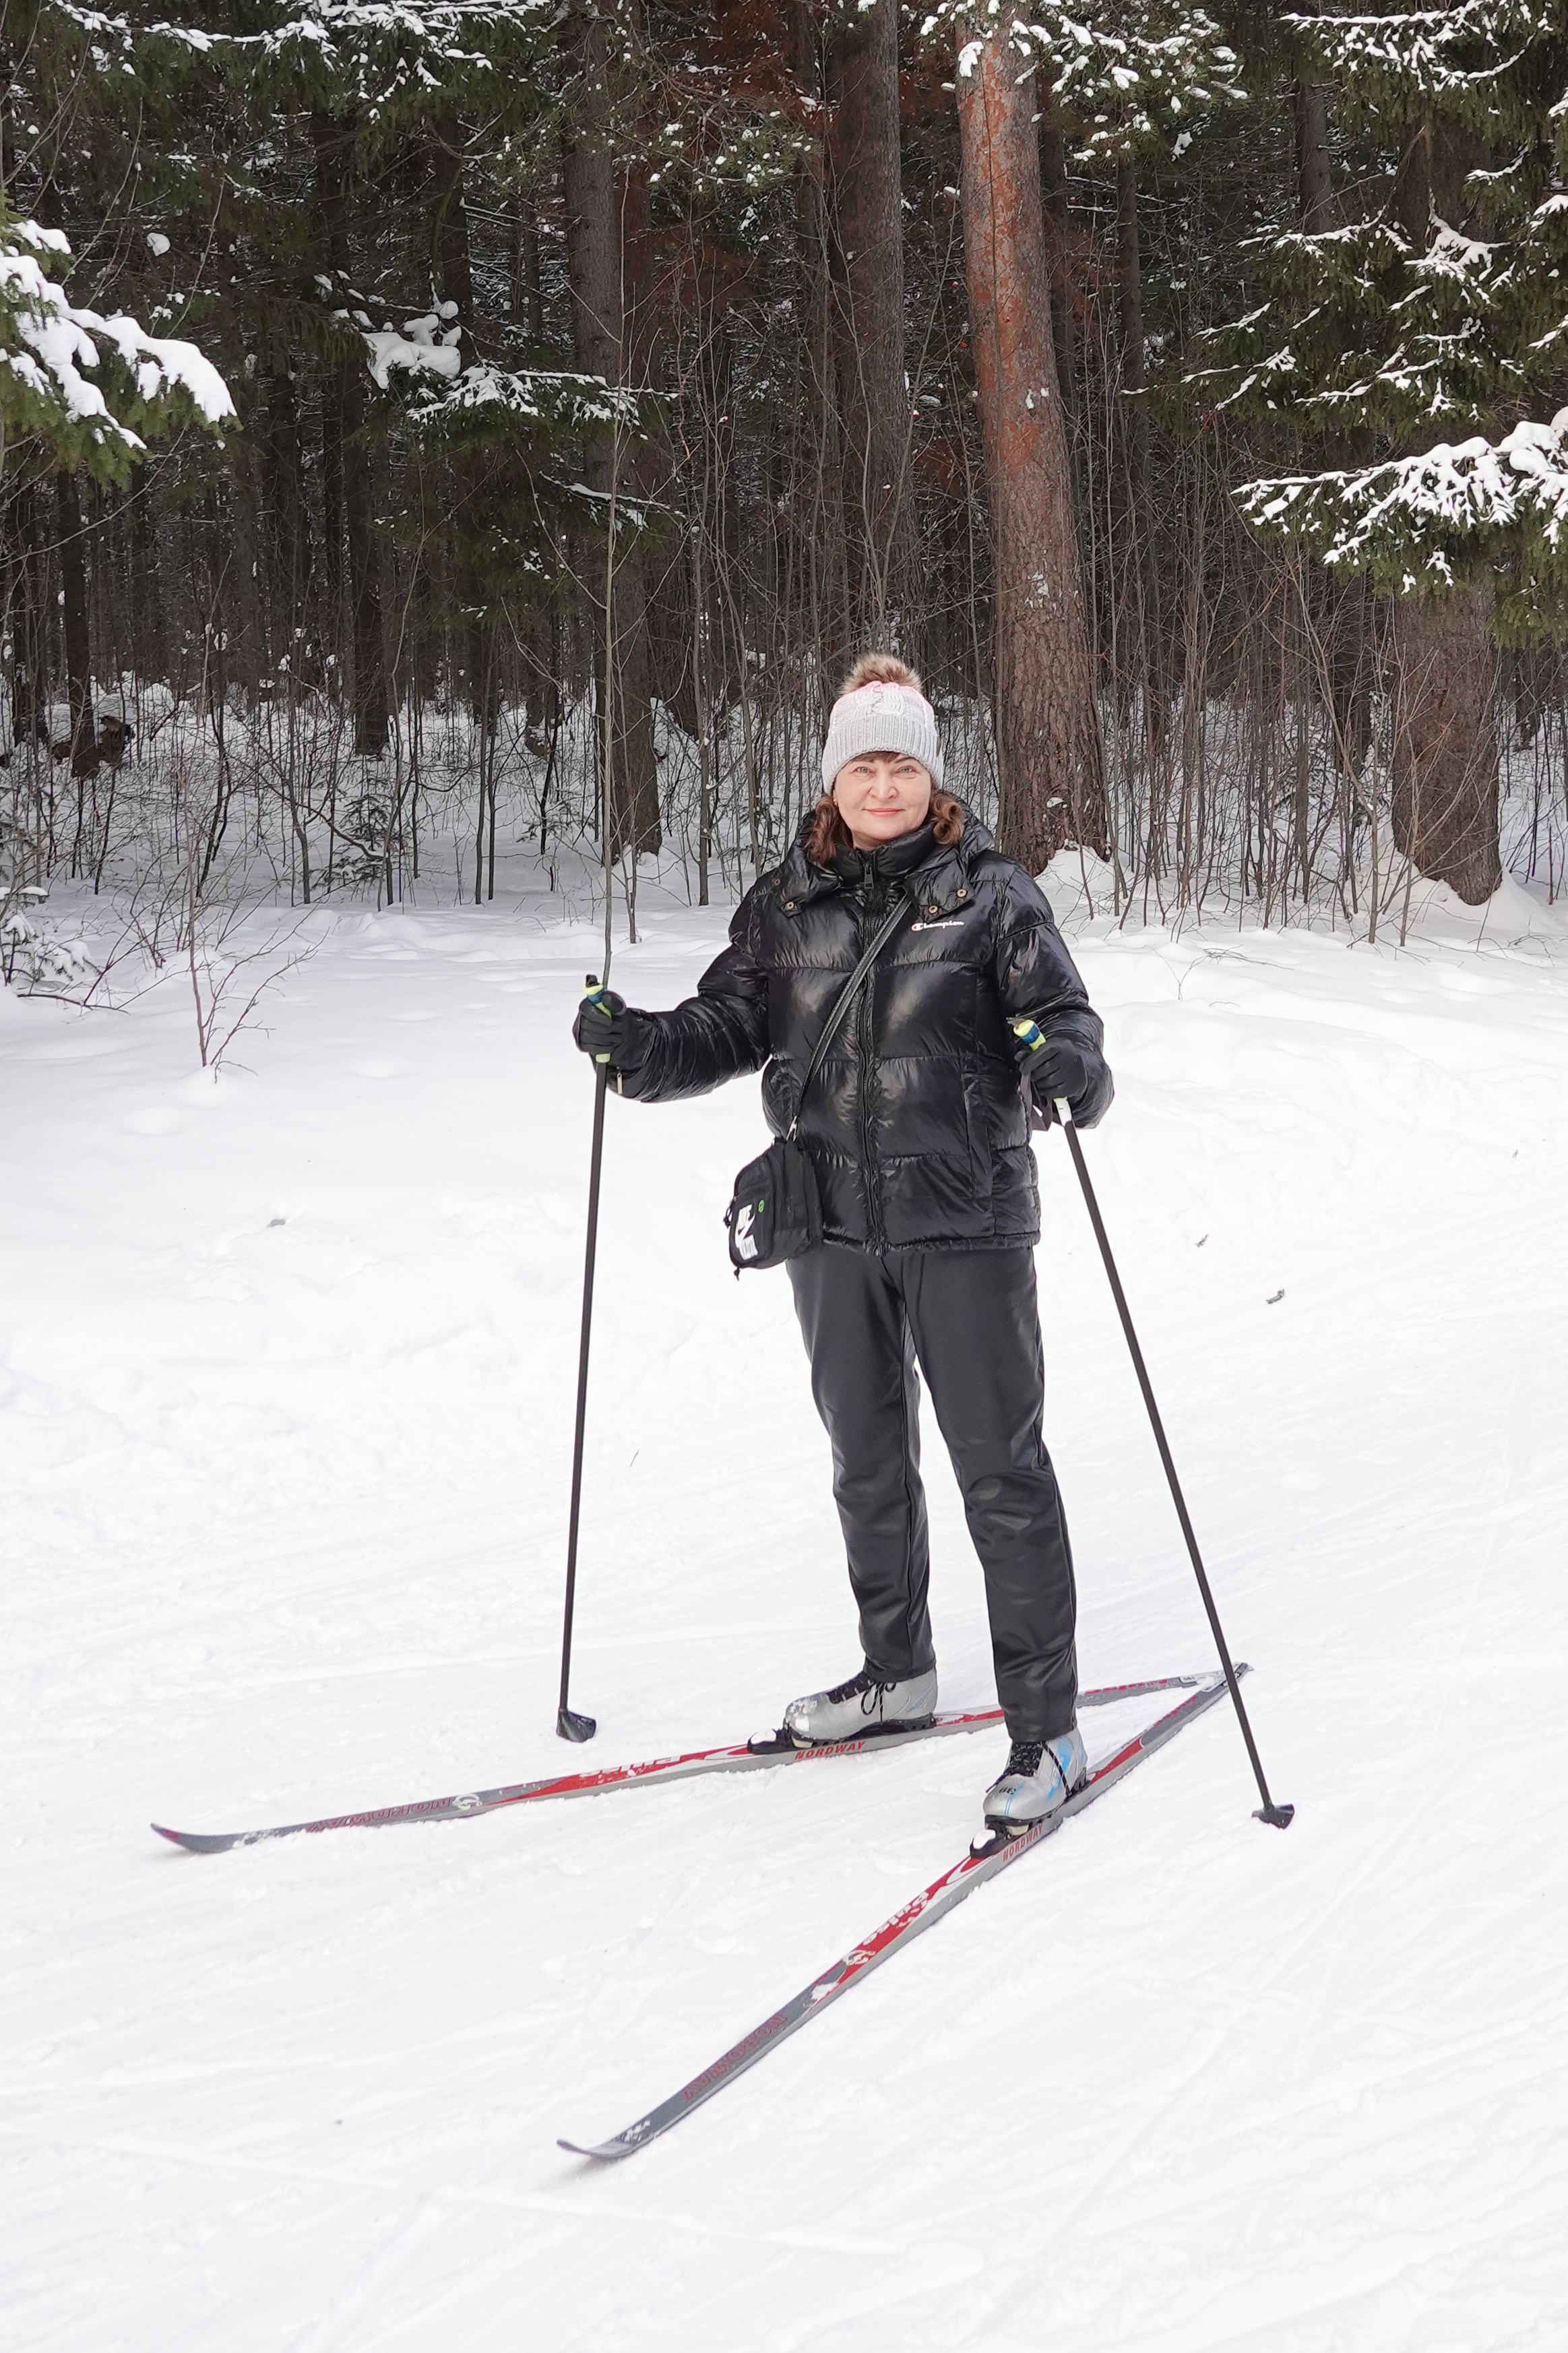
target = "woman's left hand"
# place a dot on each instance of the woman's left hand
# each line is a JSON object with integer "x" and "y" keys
{"x": 1061, "y": 1068}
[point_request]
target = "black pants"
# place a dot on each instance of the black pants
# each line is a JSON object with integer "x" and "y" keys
{"x": 968, "y": 1318}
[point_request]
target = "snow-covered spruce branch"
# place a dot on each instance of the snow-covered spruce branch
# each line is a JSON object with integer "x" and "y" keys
{"x": 1446, "y": 53}
{"x": 1147, "y": 82}
{"x": 1468, "y": 326}
{"x": 424, "y": 361}
{"x": 382, "y": 60}
{"x": 1433, "y": 519}
{"x": 90, "y": 388}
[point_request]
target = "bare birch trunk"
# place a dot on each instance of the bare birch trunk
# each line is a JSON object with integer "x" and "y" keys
{"x": 1049, "y": 752}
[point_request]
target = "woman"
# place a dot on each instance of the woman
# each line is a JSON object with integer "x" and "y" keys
{"x": 918, "y": 1129}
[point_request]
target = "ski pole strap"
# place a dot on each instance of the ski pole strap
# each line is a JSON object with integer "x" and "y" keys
{"x": 835, "y": 1020}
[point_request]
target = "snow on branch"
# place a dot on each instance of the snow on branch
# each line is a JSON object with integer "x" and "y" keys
{"x": 385, "y": 57}
{"x": 90, "y": 387}
{"x": 424, "y": 363}
{"x": 541, "y": 399}
{"x": 1148, "y": 79}
{"x": 1436, "y": 519}
{"x": 1441, "y": 52}
{"x": 388, "y": 57}
{"x": 425, "y": 347}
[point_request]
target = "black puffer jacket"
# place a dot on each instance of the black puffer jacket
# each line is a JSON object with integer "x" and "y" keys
{"x": 918, "y": 1122}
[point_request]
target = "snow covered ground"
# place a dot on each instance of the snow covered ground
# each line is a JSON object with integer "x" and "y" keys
{"x": 286, "y": 1388}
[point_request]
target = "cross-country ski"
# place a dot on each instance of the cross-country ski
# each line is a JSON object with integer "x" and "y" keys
{"x": 987, "y": 1857}
{"x": 772, "y": 1748}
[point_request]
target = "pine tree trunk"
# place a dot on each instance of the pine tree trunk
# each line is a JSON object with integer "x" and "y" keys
{"x": 1141, "y": 572}
{"x": 595, "y": 266}
{"x": 74, "y": 614}
{"x": 335, "y": 145}
{"x": 1446, "y": 778}
{"x": 866, "y": 253}
{"x": 454, "y": 274}
{"x": 1313, "y": 176}
{"x": 527, "y": 278}
{"x": 289, "y": 546}
{"x": 149, "y": 629}
{"x": 1058, "y": 255}
{"x": 1445, "y": 743}
{"x": 666, "y": 628}
{"x": 825, "y": 595}
{"x": 335, "y": 645}
{"x": 1049, "y": 751}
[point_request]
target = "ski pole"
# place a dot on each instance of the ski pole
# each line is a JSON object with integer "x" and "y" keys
{"x": 1278, "y": 1817}
{"x": 568, "y": 1724}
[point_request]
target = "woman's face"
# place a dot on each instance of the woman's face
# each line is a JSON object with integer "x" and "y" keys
{"x": 882, "y": 796}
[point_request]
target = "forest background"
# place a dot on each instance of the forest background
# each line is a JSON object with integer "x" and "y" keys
{"x": 442, "y": 420}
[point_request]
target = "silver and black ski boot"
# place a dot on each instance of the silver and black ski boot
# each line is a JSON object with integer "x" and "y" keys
{"x": 864, "y": 1705}
{"x": 1039, "y": 1779}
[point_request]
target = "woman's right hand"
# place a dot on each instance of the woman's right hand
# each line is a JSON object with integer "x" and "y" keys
{"x": 601, "y": 1026}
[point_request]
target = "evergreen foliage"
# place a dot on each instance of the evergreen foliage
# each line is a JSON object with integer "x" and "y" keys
{"x": 309, "y": 429}
{"x": 1420, "y": 343}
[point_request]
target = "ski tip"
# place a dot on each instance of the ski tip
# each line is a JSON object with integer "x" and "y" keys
{"x": 605, "y": 2153}
{"x": 198, "y": 1841}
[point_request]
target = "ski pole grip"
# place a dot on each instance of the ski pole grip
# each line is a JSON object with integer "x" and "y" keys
{"x": 592, "y": 983}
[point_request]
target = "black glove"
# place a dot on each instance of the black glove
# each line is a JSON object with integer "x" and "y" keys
{"x": 1058, "y": 1067}
{"x": 603, "y": 1027}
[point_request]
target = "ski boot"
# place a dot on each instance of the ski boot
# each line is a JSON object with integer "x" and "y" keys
{"x": 867, "y": 1703}
{"x": 1039, "y": 1777}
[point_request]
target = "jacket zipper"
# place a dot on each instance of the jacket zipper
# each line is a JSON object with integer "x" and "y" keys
{"x": 874, "y": 1234}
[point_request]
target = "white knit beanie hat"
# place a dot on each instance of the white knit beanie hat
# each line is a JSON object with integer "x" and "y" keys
{"x": 883, "y": 715}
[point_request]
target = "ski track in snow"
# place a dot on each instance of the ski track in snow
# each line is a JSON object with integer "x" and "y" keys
{"x": 286, "y": 1384}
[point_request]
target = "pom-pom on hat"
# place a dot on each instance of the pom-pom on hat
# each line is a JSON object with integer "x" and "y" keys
{"x": 881, "y": 709}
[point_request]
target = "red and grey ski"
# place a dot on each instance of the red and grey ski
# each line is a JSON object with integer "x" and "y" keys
{"x": 772, "y": 1748}
{"x": 982, "y": 1862}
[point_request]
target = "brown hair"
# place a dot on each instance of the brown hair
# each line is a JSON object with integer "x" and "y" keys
{"x": 828, "y": 832}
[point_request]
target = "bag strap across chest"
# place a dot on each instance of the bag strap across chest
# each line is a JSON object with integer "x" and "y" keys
{"x": 835, "y": 1021}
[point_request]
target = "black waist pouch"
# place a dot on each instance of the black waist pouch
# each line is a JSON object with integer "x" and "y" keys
{"x": 775, "y": 1211}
